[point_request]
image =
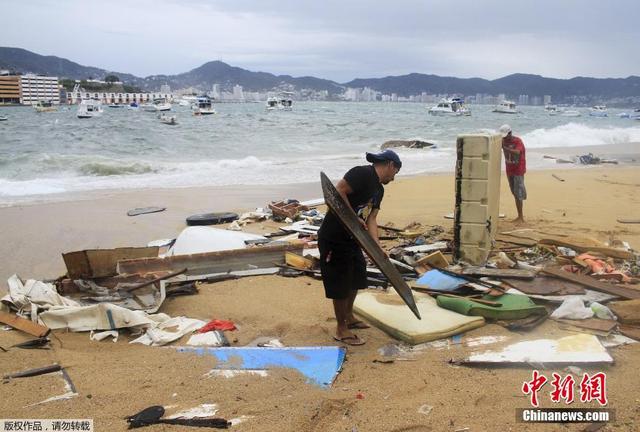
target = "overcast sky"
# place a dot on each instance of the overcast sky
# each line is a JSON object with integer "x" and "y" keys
{"x": 335, "y": 39}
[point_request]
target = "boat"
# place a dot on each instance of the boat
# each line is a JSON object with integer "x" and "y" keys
{"x": 115, "y": 105}
{"x": 202, "y": 106}
{"x": 4, "y": 118}
{"x": 624, "y": 115}
{"x": 571, "y": 113}
{"x": 283, "y": 102}
{"x": 506, "y": 107}
{"x": 132, "y": 106}
{"x": 168, "y": 119}
{"x": 45, "y": 106}
{"x": 272, "y": 104}
{"x": 157, "y": 105}
{"x": 450, "y": 107}
{"x": 598, "y": 111}
{"x": 551, "y": 110}
{"x": 89, "y": 108}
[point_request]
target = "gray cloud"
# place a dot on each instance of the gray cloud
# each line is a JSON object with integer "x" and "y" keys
{"x": 338, "y": 40}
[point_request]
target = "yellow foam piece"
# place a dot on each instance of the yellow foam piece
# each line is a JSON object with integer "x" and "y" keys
{"x": 387, "y": 311}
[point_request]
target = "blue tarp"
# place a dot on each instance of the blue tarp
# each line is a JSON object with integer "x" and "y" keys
{"x": 319, "y": 364}
{"x": 440, "y": 281}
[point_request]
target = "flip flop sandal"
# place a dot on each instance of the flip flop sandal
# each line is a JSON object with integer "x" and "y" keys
{"x": 358, "y": 325}
{"x": 350, "y": 340}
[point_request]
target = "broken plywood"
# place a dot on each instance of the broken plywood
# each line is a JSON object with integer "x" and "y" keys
{"x": 212, "y": 262}
{"x": 93, "y": 263}
{"x": 29, "y": 327}
{"x": 592, "y": 283}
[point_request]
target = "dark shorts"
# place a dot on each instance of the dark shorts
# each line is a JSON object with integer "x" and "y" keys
{"x": 516, "y": 184}
{"x": 343, "y": 268}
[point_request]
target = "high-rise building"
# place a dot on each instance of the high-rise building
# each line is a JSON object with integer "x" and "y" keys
{"x": 547, "y": 99}
{"x": 215, "y": 91}
{"x": 39, "y": 88}
{"x": 165, "y": 88}
{"x": 237, "y": 92}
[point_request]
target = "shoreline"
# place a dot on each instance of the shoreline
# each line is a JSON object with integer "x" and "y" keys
{"x": 626, "y": 154}
{"x": 38, "y": 233}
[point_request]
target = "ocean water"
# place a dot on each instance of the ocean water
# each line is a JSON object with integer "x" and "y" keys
{"x": 43, "y": 154}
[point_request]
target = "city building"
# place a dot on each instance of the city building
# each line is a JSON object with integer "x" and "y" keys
{"x": 74, "y": 97}
{"x": 215, "y": 91}
{"x": 39, "y": 88}
{"x": 165, "y": 88}
{"x": 10, "y": 90}
{"x": 237, "y": 92}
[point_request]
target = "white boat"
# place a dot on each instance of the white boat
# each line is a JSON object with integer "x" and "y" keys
{"x": 168, "y": 119}
{"x": 116, "y": 105}
{"x": 89, "y": 108}
{"x": 450, "y": 107}
{"x": 624, "y": 115}
{"x": 4, "y": 118}
{"x": 552, "y": 110}
{"x": 284, "y": 103}
{"x": 506, "y": 107}
{"x": 202, "y": 106}
{"x": 45, "y": 106}
{"x": 598, "y": 111}
{"x": 157, "y": 105}
{"x": 571, "y": 113}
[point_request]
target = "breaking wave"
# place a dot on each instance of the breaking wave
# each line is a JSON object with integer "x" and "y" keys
{"x": 577, "y": 134}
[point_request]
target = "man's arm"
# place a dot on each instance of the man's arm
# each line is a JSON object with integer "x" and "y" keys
{"x": 372, "y": 225}
{"x": 344, "y": 188}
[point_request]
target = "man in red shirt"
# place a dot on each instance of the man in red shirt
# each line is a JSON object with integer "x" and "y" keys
{"x": 516, "y": 166}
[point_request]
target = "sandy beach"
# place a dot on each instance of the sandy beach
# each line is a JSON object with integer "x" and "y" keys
{"x": 118, "y": 379}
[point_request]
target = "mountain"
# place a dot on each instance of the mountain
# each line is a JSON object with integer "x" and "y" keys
{"x": 227, "y": 76}
{"x": 217, "y": 72}
{"x": 511, "y": 85}
{"x": 203, "y": 77}
{"x": 21, "y": 60}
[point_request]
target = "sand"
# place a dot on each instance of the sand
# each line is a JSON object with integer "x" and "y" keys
{"x": 118, "y": 379}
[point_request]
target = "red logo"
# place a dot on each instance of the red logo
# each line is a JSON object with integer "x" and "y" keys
{"x": 591, "y": 388}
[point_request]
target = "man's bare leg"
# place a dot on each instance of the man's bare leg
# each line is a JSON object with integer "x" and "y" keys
{"x": 520, "y": 218}
{"x": 340, "y": 308}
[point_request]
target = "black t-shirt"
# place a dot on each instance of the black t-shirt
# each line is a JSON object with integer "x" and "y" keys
{"x": 367, "y": 193}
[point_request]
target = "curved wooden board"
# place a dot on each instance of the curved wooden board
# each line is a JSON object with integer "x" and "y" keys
{"x": 350, "y": 221}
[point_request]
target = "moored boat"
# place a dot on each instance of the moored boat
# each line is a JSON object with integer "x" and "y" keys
{"x": 506, "y": 107}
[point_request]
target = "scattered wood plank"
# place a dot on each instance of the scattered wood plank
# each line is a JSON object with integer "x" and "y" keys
{"x": 25, "y": 325}
{"x": 211, "y": 262}
{"x": 435, "y": 259}
{"x": 516, "y": 240}
{"x": 557, "y": 177}
{"x": 298, "y": 262}
{"x": 627, "y": 311}
{"x": 589, "y": 282}
{"x": 608, "y": 251}
{"x": 499, "y": 273}
{"x": 630, "y": 331}
{"x": 93, "y": 263}
{"x": 591, "y": 324}
{"x": 546, "y": 285}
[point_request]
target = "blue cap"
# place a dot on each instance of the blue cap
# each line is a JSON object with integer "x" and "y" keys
{"x": 387, "y": 155}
